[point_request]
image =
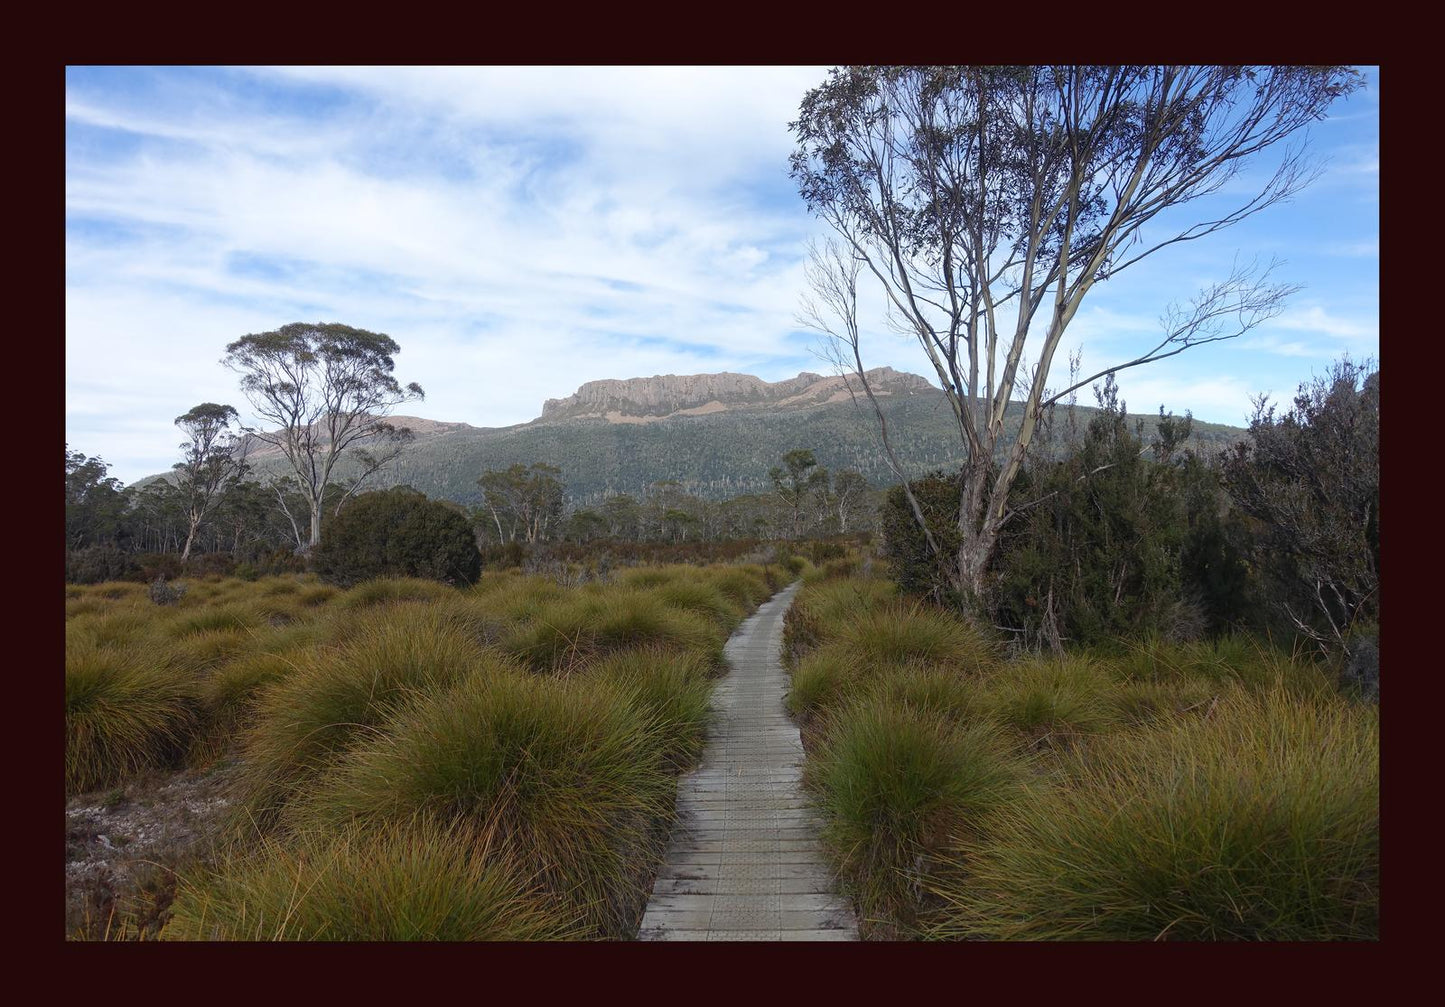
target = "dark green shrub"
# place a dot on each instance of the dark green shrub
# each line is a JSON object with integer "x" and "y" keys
{"x": 1310, "y": 481}
{"x": 398, "y": 533}
{"x": 913, "y": 564}
{"x": 99, "y": 563}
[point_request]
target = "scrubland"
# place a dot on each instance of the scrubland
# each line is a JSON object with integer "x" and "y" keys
{"x": 1147, "y": 790}
{"x": 401, "y": 760}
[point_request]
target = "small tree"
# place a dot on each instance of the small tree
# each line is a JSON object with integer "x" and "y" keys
{"x": 795, "y": 482}
{"x": 849, "y": 490}
{"x": 325, "y": 388}
{"x": 214, "y": 459}
{"x": 986, "y": 202}
{"x": 398, "y": 533}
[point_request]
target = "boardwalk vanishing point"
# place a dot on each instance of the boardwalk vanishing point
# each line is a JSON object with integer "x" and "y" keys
{"x": 745, "y": 862}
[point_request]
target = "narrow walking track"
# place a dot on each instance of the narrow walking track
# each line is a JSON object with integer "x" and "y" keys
{"x": 745, "y": 861}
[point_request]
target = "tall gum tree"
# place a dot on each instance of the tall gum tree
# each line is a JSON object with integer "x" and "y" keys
{"x": 986, "y": 202}
{"x": 325, "y": 390}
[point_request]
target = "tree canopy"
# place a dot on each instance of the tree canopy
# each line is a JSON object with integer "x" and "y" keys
{"x": 324, "y": 389}
{"x": 986, "y": 202}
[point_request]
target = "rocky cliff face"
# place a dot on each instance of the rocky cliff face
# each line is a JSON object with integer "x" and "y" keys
{"x": 642, "y": 400}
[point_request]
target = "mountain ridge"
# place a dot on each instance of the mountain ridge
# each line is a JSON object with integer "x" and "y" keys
{"x": 716, "y": 436}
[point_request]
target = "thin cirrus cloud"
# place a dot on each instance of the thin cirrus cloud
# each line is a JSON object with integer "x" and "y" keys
{"x": 517, "y": 230}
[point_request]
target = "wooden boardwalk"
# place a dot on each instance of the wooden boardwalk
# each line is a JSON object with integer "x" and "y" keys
{"x": 745, "y": 862}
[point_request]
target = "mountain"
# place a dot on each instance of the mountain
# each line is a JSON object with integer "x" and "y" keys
{"x": 645, "y": 400}
{"x": 716, "y": 435}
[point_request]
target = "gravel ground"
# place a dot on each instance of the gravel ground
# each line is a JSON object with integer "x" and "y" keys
{"x": 122, "y": 847}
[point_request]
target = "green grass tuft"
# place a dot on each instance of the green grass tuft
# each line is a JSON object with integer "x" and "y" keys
{"x": 390, "y": 657}
{"x": 1257, "y": 821}
{"x": 413, "y": 882}
{"x": 563, "y": 775}
{"x": 125, "y": 710}
{"x": 895, "y": 784}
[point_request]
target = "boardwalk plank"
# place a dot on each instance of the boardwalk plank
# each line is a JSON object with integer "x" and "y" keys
{"x": 745, "y": 861}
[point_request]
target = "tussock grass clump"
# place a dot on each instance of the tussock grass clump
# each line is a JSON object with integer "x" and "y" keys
{"x": 1139, "y": 703}
{"x": 832, "y": 675}
{"x": 196, "y": 653}
{"x": 1259, "y": 821}
{"x": 119, "y": 590}
{"x": 821, "y": 611}
{"x": 569, "y": 633}
{"x": 125, "y": 710}
{"x": 673, "y": 691}
{"x": 1057, "y": 699}
{"x": 209, "y": 619}
{"x": 1230, "y": 660}
{"x": 931, "y": 689}
{"x": 650, "y": 576}
{"x": 913, "y": 632}
{"x": 524, "y": 599}
{"x": 317, "y": 595}
{"x": 119, "y": 629}
{"x": 746, "y": 586}
{"x": 821, "y": 681}
{"x": 414, "y": 882}
{"x": 305, "y": 719}
{"x": 563, "y": 775}
{"x": 79, "y": 605}
{"x": 235, "y": 686}
{"x": 387, "y": 590}
{"x": 833, "y": 569}
{"x": 703, "y": 598}
{"x": 895, "y": 783}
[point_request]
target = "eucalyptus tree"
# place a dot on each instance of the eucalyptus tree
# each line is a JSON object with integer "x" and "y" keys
{"x": 987, "y": 202}
{"x": 523, "y": 501}
{"x": 325, "y": 390}
{"x": 796, "y": 481}
{"x": 213, "y": 460}
{"x": 94, "y": 501}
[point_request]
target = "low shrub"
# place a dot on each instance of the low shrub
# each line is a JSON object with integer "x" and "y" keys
{"x": 162, "y": 593}
{"x": 96, "y": 564}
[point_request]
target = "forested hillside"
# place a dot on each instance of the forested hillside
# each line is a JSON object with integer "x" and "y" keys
{"x": 715, "y": 456}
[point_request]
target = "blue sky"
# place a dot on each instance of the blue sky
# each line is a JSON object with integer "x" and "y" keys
{"x": 519, "y": 231}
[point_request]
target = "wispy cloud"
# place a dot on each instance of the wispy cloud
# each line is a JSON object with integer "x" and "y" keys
{"x": 517, "y": 230}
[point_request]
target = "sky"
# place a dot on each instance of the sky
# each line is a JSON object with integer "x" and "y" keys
{"x": 519, "y": 231}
